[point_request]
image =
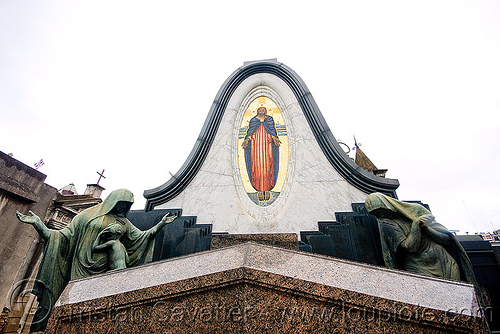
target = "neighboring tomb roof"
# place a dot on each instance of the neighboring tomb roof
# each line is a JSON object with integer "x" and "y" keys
{"x": 20, "y": 179}
{"x": 364, "y": 162}
{"x": 70, "y": 189}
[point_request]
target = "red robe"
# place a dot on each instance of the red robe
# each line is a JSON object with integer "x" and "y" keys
{"x": 262, "y": 160}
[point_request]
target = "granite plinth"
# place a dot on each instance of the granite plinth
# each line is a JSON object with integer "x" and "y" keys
{"x": 262, "y": 289}
{"x": 281, "y": 240}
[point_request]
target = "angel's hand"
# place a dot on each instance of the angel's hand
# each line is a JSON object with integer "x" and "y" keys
{"x": 28, "y": 219}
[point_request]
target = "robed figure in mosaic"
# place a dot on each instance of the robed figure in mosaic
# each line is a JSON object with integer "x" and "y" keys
{"x": 261, "y": 147}
{"x": 98, "y": 239}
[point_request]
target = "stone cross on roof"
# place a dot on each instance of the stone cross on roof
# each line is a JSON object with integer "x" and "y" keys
{"x": 101, "y": 175}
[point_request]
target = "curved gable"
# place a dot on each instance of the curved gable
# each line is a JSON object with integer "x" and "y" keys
{"x": 355, "y": 175}
{"x": 310, "y": 138}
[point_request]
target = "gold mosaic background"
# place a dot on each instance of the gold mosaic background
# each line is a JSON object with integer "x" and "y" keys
{"x": 275, "y": 113}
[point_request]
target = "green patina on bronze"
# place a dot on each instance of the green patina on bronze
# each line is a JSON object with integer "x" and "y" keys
{"x": 98, "y": 239}
{"x": 412, "y": 240}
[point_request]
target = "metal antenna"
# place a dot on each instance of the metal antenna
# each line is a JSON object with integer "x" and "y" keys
{"x": 356, "y": 144}
{"x": 470, "y": 217}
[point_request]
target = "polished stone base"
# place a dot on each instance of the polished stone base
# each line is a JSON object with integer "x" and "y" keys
{"x": 281, "y": 240}
{"x": 251, "y": 288}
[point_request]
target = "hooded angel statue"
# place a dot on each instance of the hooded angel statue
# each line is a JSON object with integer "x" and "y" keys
{"x": 412, "y": 240}
{"x": 98, "y": 239}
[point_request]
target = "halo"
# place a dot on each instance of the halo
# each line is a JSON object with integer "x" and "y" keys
{"x": 269, "y": 109}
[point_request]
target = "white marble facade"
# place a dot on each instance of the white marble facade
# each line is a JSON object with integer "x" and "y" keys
{"x": 313, "y": 189}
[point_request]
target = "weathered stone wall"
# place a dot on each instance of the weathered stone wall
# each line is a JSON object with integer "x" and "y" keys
{"x": 21, "y": 188}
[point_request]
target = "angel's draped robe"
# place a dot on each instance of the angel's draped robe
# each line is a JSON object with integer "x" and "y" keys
{"x": 68, "y": 252}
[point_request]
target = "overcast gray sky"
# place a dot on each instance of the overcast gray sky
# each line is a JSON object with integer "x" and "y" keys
{"x": 125, "y": 86}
